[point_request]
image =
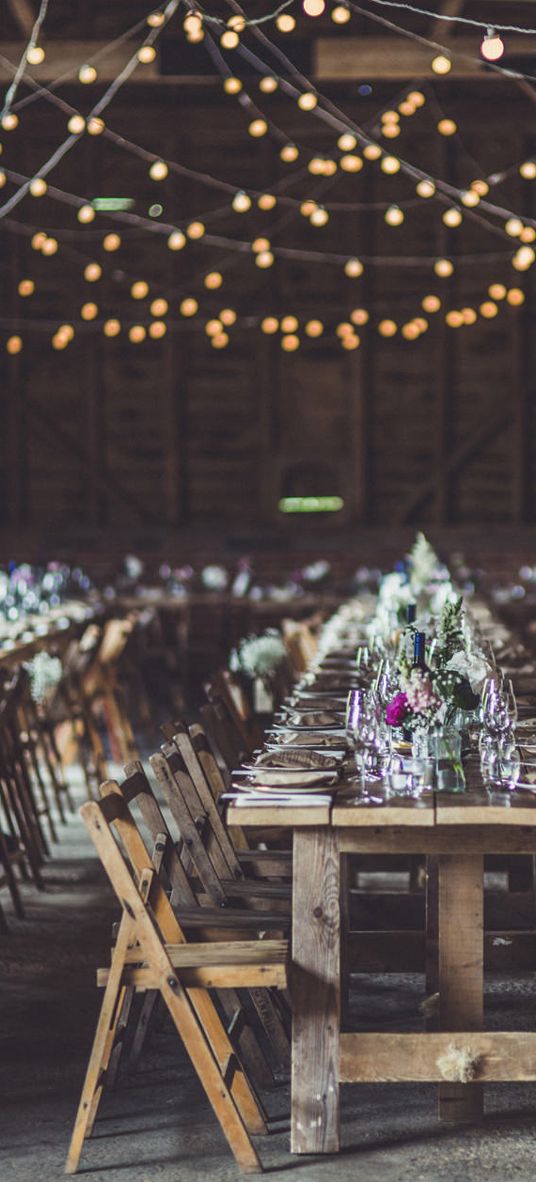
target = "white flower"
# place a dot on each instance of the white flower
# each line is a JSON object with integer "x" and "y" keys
{"x": 44, "y": 672}
{"x": 471, "y": 666}
{"x": 260, "y": 656}
{"x": 214, "y": 578}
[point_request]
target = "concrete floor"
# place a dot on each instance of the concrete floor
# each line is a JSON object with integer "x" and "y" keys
{"x": 157, "y": 1126}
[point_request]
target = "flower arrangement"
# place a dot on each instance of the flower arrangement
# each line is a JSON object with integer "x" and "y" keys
{"x": 259, "y": 656}
{"x": 44, "y": 672}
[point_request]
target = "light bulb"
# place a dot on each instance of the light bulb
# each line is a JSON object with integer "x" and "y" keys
{"x": 86, "y": 214}
{"x": 193, "y": 26}
{"x": 158, "y": 170}
{"x": 146, "y": 54}
{"x": 241, "y": 202}
{"x": 35, "y": 55}
{"x": 410, "y": 331}
{"x": 87, "y": 74}
{"x": 155, "y": 19}
{"x": 50, "y": 246}
{"x": 307, "y": 101}
{"x": 290, "y": 343}
{"x": 96, "y": 125}
{"x": 528, "y": 170}
{"x": 188, "y": 307}
{"x": 269, "y": 325}
{"x": 344, "y": 329}
{"x": 452, "y": 218}
{"x": 59, "y": 342}
{"x": 481, "y": 187}
{"x": 289, "y": 153}
{"x": 111, "y": 242}
{"x": 232, "y": 85}
{"x": 3, "y": 178}
{"x": 454, "y": 319}
{"x": 394, "y": 216}
{"x": 10, "y": 121}
{"x": 492, "y": 46}
{"x": 390, "y": 165}
{"x": 268, "y": 84}
{"x": 38, "y": 187}
{"x": 76, "y": 124}
{"x": 66, "y": 331}
{"x": 406, "y": 108}
{"x": 26, "y": 287}
{"x": 353, "y": 268}
{"x": 227, "y": 316}
{"x": 443, "y": 268}
{"x": 352, "y": 341}
{"x": 319, "y": 216}
{"x": 359, "y": 316}
{"x": 38, "y": 240}
{"x": 469, "y": 316}
{"x": 220, "y": 340}
{"x": 159, "y": 307}
{"x": 111, "y": 328}
{"x": 515, "y": 297}
{"x": 176, "y": 240}
{"x": 289, "y": 324}
{"x": 513, "y": 227}
{"x": 285, "y": 23}
{"x": 316, "y": 166}
{"x": 387, "y": 328}
{"x": 266, "y": 201}
{"x": 390, "y": 117}
{"x": 447, "y": 127}
{"x": 314, "y": 328}
{"x": 213, "y": 327}
{"x": 89, "y": 311}
{"x": 137, "y": 333}
{"x": 14, "y": 345}
{"x": 372, "y": 151}
{"x": 523, "y": 258}
{"x": 390, "y": 131}
{"x": 195, "y": 230}
{"x": 351, "y": 163}
{"x": 229, "y": 39}
{"x": 92, "y": 272}
{"x": 441, "y": 64}
{"x": 488, "y": 309}
{"x": 257, "y": 128}
{"x": 425, "y": 188}
{"x": 347, "y": 142}
{"x": 139, "y": 289}
{"x": 431, "y": 303}
{"x": 264, "y": 259}
{"x": 213, "y": 280}
{"x": 470, "y": 198}
{"x": 497, "y": 291}
{"x": 157, "y": 330}
{"x": 340, "y": 14}
{"x": 528, "y": 234}
{"x": 417, "y": 98}
{"x": 314, "y": 7}
{"x": 421, "y": 323}
{"x": 259, "y": 244}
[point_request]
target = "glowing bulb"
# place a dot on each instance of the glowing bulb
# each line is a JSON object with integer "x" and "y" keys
{"x": 268, "y": 84}
{"x": 431, "y": 303}
{"x": 3, "y": 178}
{"x": 213, "y": 280}
{"x": 480, "y": 187}
{"x": 10, "y": 121}
{"x": 266, "y": 201}
{"x": 259, "y": 244}
{"x": 257, "y": 128}
{"x": 470, "y": 198}
{"x": 387, "y": 328}
{"x": 497, "y": 291}
{"x": 443, "y": 268}
{"x": 447, "y": 127}
{"x": 344, "y": 329}
{"x": 188, "y": 307}
{"x": 351, "y": 163}
{"x": 137, "y": 333}
{"x": 66, "y": 331}
{"x": 441, "y": 64}
{"x": 158, "y": 170}
{"x": 76, "y": 124}
{"x": 289, "y": 153}
{"x": 229, "y": 39}
{"x": 241, "y": 202}
{"x": 425, "y": 188}
{"x": 290, "y": 343}
{"x": 352, "y": 341}
{"x": 417, "y": 98}
{"x": 454, "y": 319}
{"x": 26, "y": 287}
{"x": 139, "y": 289}
{"x": 347, "y": 142}
{"x": 406, "y": 108}
{"x": 528, "y": 170}
{"x": 86, "y": 214}
{"x": 89, "y": 311}
{"x": 359, "y": 316}
{"x": 452, "y": 218}
{"x": 96, "y": 125}
{"x": 314, "y": 7}
{"x": 394, "y": 216}
{"x": 92, "y": 272}
{"x": 146, "y": 54}
{"x": 157, "y": 330}
{"x": 390, "y": 131}
{"x": 155, "y": 19}
{"x": 372, "y": 151}
{"x": 232, "y": 85}
{"x": 227, "y": 316}
{"x": 38, "y": 240}
{"x": 285, "y": 23}
{"x": 111, "y": 328}
{"x": 316, "y": 166}
{"x": 390, "y": 117}
{"x": 421, "y": 323}
{"x": 87, "y": 74}
{"x": 213, "y": 327}
{"x": 289, "y": 324}
{"x": 38, "y": 187}
{"x": 523, "y": 258}
{"x": 307, "y": 101}
{"x": 193, "y": 27}
{"x": 159, "y": 307}
{"x": 111, "y": 242}
{"x": 314, "y": 328}
{"x": 353, "y": 268}
{"x": 59, "y": 342}
{"x": 390, "y": 165}
{"x": 513, "y": 227}
{"x": 50, "y": 246}
{"x": 264, "y": 259}
{"x": 410, "y": 331}
{"x": 176, "y": 240}
{"x": 269, "y": 325}
{"x": 515, "y": 297}
{"x": 488, "y": 309}
{"x": 195, "y": 230}
{"x": 528, "y": 234}
{"x": 319, "y": 216}
{"x": 340, "y": 15}
{"x": 492, "y": 46}
{"x": 35, "y": 55}
{"x": 220, "y": 340}
{"x": 469, "y": 316}
{"x": 14, "y": 345}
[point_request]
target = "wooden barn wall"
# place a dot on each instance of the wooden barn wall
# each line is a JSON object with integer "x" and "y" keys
{"x": 109, "y": 435}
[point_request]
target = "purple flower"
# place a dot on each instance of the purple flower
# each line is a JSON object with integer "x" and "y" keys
{"x": 397, "y": 710}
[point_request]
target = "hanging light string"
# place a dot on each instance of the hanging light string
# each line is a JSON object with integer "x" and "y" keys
{"x": 250, "y": 22}
{"x": 454, "y": 19}
{"x": 109, "y": 94}
{"x": 13, "y": 87}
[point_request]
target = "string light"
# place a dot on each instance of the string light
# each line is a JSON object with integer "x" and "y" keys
{"x": 89, "y": 311}
{"x": 26, "y": 287}
{"x": 470, "y": 198}
{"x": 269, "y": 325}
{"x": 111, "y": 328}
{"x": 193, "y": 27}
{"x": 359, "y": 316}
{"x": 387, "y": 328}
{"x": 213, "y": 327}
{"x": 307, "y": 101}
{"x": 50, "y": 246}
{"x": 188, "y": 306}
{"x": 3, "y": 178}
{"x": 137, "y": 334}
{"x": 176, "y": 240}
{"x": 159, "y": 307}
{"x": 155, "y": 19}
{"x": 513, "y": 227}
{"x": 220, "y": 340}
{"x": 290, "y": 343}
{"x": 86, "y": 214}
{"x": 314, "y": 328}
{"x": 266, "y": 201}
{"x": 425, "y": 189}
{"x": 92, "y": 272}
{"x": 353, "y": 268}
{"x": 258, "y": 128}
{"x": 76, "y": 124}
{"x": 10, "y": 121}
{"x": 372, "y": 151}
{"x": 528, "y": 170}
{"x": 340, "y": 14}
{"x": 347, "y": 142}
{"x": 351, "y": 163}
{"x": 229, "y": 39}
{"x": 158, "y": 170}
{"x": 447, "y": 127}
{"x": 515, "y": 297}
{"x": 157, "y": 330}
{"x": 264, "y": 259}
{"x": 289, "y": 153}
{"x": 352, "y": 341}
{"x": 452, "y": 218}
{"x": 469, "y": 316}
{"x": 394, "y": 216}
{"x": 285, "y": 23}
{"x": 443, "y": 268}
{"x": 139, "y": 289}
{"x": 213, "y": 280}
{"x": 492, "y": 46}
{"x": 87, "y": 74}
{"x": 111, "y": 242}
{"x": 431, "y": 303}
{"x": 314, "y": 7}
{"x": 289, "y": 324}
{"x": 441, "y": 64}
{"x": 497, "y": 291}
{"x": 38, "y": 240}
{"x": 232, "y": 85}
{"x": 268, "y": 84}
{"x": 241, "y": 202}
{"x": 96, "y": 125}
{"x": 390, "y": 165}
{"x": 146, "y": 54}
{"x": 38, "y": 187}
{"x": 227, "y": 316}
{"x": 14, "y": 345}
{"x": 319, "y": 216}
{"x": 454, "y": 319}
{"x": 195, "y": 230}
{"x": 523, "y": 258}
{"x": 488, "y": 309}
{"x": 35, "y": 55}
{"x": 343, "y": 329}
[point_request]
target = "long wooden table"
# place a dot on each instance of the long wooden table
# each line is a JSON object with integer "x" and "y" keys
{"x": 454, "y": 831}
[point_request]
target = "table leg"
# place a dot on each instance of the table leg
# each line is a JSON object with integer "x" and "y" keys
{"x": 315, "y": 986}
{"x": 461, "y": 969}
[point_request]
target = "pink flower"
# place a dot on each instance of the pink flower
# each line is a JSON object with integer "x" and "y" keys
{"x": 397, "y": 710}
{"x": 420, "y": 692}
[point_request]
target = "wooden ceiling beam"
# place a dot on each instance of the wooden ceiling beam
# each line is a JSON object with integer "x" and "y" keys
{"x": 443, "y": 30}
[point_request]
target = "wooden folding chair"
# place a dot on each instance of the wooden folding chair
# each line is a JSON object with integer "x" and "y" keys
{"x": 151, "y": 951}
{"x": 223, "y": 686}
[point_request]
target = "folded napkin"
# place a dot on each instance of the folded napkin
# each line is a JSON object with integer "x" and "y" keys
{"x": 319, "y": 703}
{"x": 302, "y": 739}
{"x": 315, "y": 718}
{"x": 249, "y": 799}
{"x": 276, "y": 777}
{"x": 300, "y": 760}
